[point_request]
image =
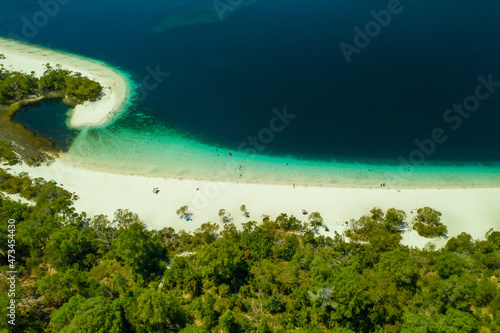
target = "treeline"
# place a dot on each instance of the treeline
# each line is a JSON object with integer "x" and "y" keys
{"x": 278, "y": 275}
{"x": 17, "y": 86}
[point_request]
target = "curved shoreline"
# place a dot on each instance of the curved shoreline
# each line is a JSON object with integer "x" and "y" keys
{"x": 471, "y": 210}
{"x": 344, "y": 177}
{"x": 116, "y": 84}
{"x": 164, "y": 154}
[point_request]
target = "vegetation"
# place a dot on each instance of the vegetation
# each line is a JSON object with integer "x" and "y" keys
{"x": 244, "y": 211}
{"x": 30, "y": 148}
{"x": 19, "y": 89}
{"x": 183, "y": 212}
{"x": 17, "y": 86}
{"x": 6, "y": 152}
{"x": 315, "y": 220}
{"x": 274, "y": 276}
{"x": 428, "y": 223}
{"x": 225, "y": 216}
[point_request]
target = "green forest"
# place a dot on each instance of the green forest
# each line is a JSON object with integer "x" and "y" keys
{"x": 111, "y": 274}
{"x": 18, "y": 86}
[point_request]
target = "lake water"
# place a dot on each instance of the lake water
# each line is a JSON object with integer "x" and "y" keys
{"x": 386, "y": 98}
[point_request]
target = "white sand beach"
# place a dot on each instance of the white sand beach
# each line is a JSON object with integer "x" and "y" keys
{"x": 470, "y": 210}
{"x": 116, "y": 89}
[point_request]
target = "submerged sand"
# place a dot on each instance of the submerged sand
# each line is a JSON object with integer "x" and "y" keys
{"x": 472, "y": 210}
{"x": 116, "y": 87}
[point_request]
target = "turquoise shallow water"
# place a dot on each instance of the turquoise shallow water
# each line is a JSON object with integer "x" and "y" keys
{"x": 226, "y": 76}
{"x": 136, "y": 145}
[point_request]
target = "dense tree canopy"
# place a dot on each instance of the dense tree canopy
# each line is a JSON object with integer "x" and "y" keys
{"x": 273, "y": 276}
{"x": 16, "y": 86}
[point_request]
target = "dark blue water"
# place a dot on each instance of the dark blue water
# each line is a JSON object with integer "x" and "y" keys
{"x": 227, "y": 76}
{"x": 48, "y": 118}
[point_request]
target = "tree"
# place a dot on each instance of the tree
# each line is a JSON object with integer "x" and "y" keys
{"x": 315, "y": 220}
{"x": 350, "y": 303}
{"x": 225, "y": 216}
{"x": 227, "y": 322}
{"x": 394, "y": 218}
{"x": 36, "y": 230}
{"x": 383, "y": 240}
{"x": 71, "y": 247}
{"x": 377, "y": 214}
{"x": 105, "y": 233}
{"x": 288, "y": 248}
{"x": 456, "y": 292}
{"x": 289, "y": 223}
{"x": 494, "y": 237}
{"x": 486, "y": 291}
{"x": 125, "y": 218}
{"x": 460, "y": 244}
{"x": 448, "y": 264}
{"x": 100, "y": 223}
{"x": 429, "y": 216}
{"x": 428, "y": 223}
{"x": 59, "y": 287}
{"x": 221, "y": 261}
{"x": 401, "y": 266}
{"x": 117, "y": 276}
{"x": 183, "y": 275}
{"x": 259, "y": 242}
{"x": 275, "y": 304}
{"x": 155, "y": 311}
{"x": 193, "y": 328}
{"x": 183, "y": 212}
{"x": 230, "y": 232}
{"x": 207, "y": 232}
{"x": 457, "y": 321}
{"x": 419, "y": 322}
{"x": 208, "y": 311}
{"x": 63, "y": 316}
{"x": 141, "y": 250}
{"x": 82, "y": 88}
{"x": 244, "y": 211}
{"x": 264, "y": 326}
{"x": 97, "y": 315}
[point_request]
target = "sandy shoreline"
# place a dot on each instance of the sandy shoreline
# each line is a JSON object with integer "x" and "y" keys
{"x": 223, "y": 178}
{"x": 470, "y": 210}
{"x": 116, "y": 88}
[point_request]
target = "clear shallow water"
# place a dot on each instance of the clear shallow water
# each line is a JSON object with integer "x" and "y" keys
{"x": 226, "y": 78}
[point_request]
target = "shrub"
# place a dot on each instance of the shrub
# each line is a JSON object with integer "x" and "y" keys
{"x": 429, "y": 231}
